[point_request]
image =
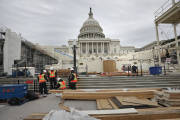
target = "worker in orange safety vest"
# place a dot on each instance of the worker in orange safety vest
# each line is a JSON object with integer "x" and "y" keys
{"x": 61, "y": 84}
{"x": 52, "y": 77}
{"x": 72, "y": 79}
{"x": 42, "y": 82}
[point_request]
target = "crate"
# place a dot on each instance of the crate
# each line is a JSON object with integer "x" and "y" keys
{"x": 155, "y": 70}
{"x": 13, "y": 91}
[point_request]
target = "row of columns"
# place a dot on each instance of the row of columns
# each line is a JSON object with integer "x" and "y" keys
{"x": 87, "y": 46}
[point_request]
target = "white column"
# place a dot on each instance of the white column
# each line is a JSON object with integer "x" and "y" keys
{"x": 177, "y": 46}
{"x": 109, "y": 48}
{"x": 86, "y": 48}
{"x": 80, "y": 48}
{"x": 92, "y": 48}
{"x": 97, "y": 47}
{"x": 157, "y": 38}
{"x": 103, "y": 47}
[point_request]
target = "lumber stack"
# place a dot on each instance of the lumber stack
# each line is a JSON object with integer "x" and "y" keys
{"x": 108, "y": 94}
{"x": 120, "y": 102}
{"x": 168, "y": 97}
{"x": 63, "y": 72}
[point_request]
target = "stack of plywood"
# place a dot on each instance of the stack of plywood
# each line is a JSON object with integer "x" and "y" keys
{"x": 109, "y": 66}
{"x": 93, "y": 95}
{"x": 169, "y": 98}
{"x": 63, "y": 72}
{"x": 119, "y": 102}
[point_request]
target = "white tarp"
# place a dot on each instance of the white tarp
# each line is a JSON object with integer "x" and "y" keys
{"x": 63, "y": 115}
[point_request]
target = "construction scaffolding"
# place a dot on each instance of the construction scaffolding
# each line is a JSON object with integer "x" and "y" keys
{"x": 168, "y": 13}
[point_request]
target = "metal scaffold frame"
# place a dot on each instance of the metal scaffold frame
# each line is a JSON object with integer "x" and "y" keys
{"x": 168, "y": 13}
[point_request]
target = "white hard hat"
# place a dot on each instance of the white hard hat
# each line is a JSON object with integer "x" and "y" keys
{"x": 71, "y": 69}
{"x": 58, "y": 79}
{"x": 44, "y": 70}
{"x": 51, "y": 68}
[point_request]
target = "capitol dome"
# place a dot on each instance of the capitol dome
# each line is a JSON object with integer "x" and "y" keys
{"x": 91, "y": 28}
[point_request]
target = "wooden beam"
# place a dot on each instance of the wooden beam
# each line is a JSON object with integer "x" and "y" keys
{"x": 104, "y": 90}
{"x": 66, "y": 90}
{"x": 111, "y": 112}
{"x": 103, "y": 95}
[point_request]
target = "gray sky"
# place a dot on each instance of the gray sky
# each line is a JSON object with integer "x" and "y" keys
{"x": 54, "y": 22}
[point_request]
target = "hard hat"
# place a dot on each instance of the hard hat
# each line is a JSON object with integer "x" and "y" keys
{"x": 59, "y": 79}
{"x": 71, "y": 69}
{"x": 51, "y": 68}
{"x": 44, "y": 71}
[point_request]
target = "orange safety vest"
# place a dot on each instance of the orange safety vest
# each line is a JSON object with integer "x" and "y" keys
{"x": 52, "y": 74}
{"x": 41, "y": 78}
{"x": 75, "y": 78}
{"x": 63, "y": 85}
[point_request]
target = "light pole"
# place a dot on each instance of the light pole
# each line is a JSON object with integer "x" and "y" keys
{"x": 74, "y": 58}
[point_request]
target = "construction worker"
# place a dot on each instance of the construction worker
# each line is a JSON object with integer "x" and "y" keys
{"x": 42, "y": 82}
{"x": 61, "y": 84}
{"x": 72, "y": 79}
{"x": 52, "y": 77}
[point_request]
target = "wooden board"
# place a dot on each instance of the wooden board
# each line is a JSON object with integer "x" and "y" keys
{"x": 171, "y": 119}
{"x": 103, "y": 104}
{"x": 66, "y": 90}
{"x": 105, "y": 90}
{"x": 103, "y": 95}
{"x": 135, "y": 101}
{"x": 130, "y": 89}
{"x": 109, "y": 66}
{"x": 113, "y": 104}
{"x": 172, "y": 95}
{"x": 111, "y": 112}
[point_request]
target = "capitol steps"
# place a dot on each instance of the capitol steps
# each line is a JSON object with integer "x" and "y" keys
{"x": 128, "y": 82}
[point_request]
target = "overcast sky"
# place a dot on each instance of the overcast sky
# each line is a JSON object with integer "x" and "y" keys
{"x": 54, "y": 22}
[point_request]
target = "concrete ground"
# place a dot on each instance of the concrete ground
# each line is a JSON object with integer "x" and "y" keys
{"x": 42, "y": 105}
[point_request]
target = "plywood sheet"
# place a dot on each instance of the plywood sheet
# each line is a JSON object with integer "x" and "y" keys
{"x": 104, "y": 112}
{"x": 135, "y": 101}
{"x": 103, "y": 104}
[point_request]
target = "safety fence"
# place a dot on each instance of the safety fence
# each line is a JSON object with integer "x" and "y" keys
{"x": 165, "y": 7}
{"x": 33, "y": 84}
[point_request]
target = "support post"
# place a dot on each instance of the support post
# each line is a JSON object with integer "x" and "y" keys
{"x": 176, "y": 39}
{"x": 74, "y": 51}
{"x": 173, "y": 2}
{"x": 158, "y": 44}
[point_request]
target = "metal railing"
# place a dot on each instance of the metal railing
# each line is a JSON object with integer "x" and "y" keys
{"x": 165, "y": 7}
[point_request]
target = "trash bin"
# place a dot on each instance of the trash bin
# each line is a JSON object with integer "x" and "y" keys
{"x": 155, "y": 70}
{"x": 9, "y": 91}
